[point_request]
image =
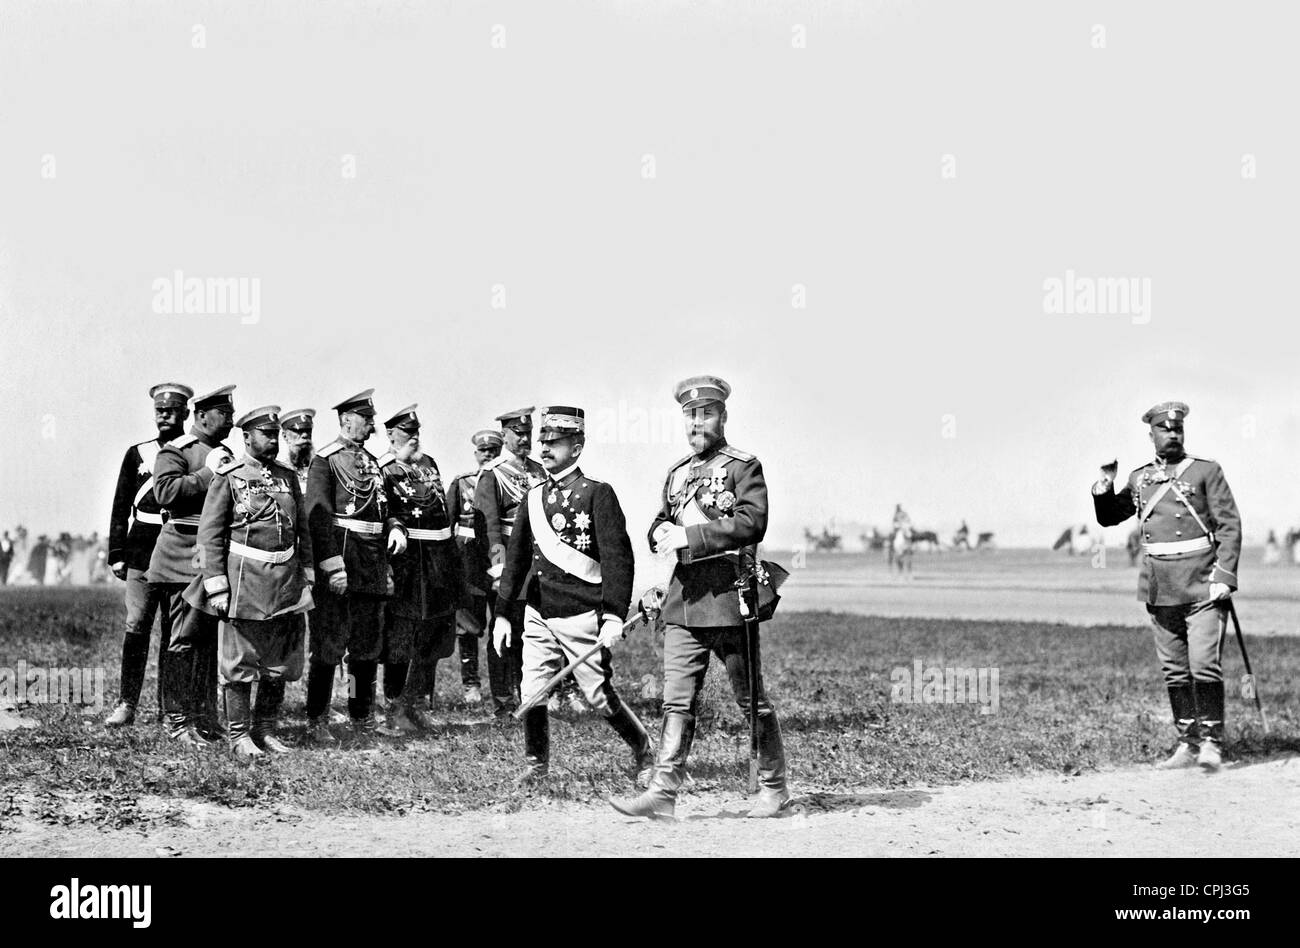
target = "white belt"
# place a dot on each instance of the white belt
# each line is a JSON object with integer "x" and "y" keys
{"x": 1176, "y": 546}
{"x": 359, "y": 526}
{"x": 144, "y": 516}
{"x": 418, "y": 534}
{"x": 466, "y": 532}
{"x": 262, "y": 556}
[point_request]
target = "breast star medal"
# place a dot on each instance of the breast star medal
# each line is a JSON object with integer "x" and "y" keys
{"x": 558, "y": 522}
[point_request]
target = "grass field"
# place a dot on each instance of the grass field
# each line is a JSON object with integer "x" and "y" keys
{"x": 1070, "y": 699}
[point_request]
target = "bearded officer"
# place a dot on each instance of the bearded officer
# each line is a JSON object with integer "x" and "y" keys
{"x": 1191, "y": 542}
{"x": 502, "y": 484}
{"x": 257, "y": 576}
{"x": 420, "y": 627}
{"x": 132, "y": 532}
{"x": 714, "y": 513}
{"x": 348, "y": 512}
{"x": 472, "y": 615}
{"x": 184, "y": 470}
{"x": 295, "y": 431}
{"x": 570, "y": 560}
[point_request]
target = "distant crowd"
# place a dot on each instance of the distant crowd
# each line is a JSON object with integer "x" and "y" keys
{"x": 65, "y": 560}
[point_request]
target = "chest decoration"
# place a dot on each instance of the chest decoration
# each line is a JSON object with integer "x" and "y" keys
{"x": 418, "y": 488}
{"x": 359, "y": 477}
{"x": 574, "y": 532}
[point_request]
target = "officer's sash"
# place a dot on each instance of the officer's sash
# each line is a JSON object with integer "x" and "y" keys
{"x": 1163, "y": 489}
{"x": 572, "y": 561}
{"x": 148, "y": 452}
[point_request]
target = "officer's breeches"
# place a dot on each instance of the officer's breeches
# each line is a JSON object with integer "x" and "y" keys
{"x": 351, "y": 623}
{"x": 686, "y": 662}
{"x": 550, "y": 644}
{"x": 1189, "y": 641}
{"x": 143, "y": 600}
{"x": 261, "y": 650}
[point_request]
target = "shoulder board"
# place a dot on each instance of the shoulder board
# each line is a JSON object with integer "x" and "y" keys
{"x": 329, "y": 449}
{"x": 229, "y": 466}
{"x": 679, "y": 462}
{"x": 388, "y": 457}
{"x": 145, "y": 444}
{"x": 496, "y": 461}
{"x": 468, "y": 476}
{"x": 733, "y": 452}
{"x": 1197, "y": 457}
{"x": 184, "y": 441}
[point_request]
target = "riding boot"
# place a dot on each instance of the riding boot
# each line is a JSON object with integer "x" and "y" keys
{"x": 135, "y": 659}
{"x": 773, "y": 794}
{"x": 1182, "y": 699}
{"x": 361, "y": 701}
{"x": 660, "y": 798}
{"x": 537, "y": 745}
{"x": 266, "y": 711}
{"x": 629, "y": 727}
{"x": 236, "y": 695}
{"x": 1209, "y": 714}
{"x": 176, "y": 676}
{"x": 205, "y": 688}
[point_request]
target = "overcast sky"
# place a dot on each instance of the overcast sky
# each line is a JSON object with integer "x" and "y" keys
{"x": 852, "y": 212}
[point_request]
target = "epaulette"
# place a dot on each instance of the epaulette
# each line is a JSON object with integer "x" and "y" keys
{"x": 141, "y": 444}
{"x": 388, "y": 457}
{"x": 465, "y": 477}
{"x": 734, "y": 452}
{"x": 496, "y": 461}
{"x": 229, "y": 466}
{"x": 184, "y": 441}
{"x": 679, "y": 462}
{"x": 329, "y": 449}
{"x": 1197, "y": 457}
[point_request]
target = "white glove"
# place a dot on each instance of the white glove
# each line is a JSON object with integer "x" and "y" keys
{"x": 216, "y": 457}
{"x": 1220, "y": 591}
{"x": 501, "y": 635}
{"x": 119, "y": 570}
{"x": 671, "y": 537}
{"x": 652, "y": 602}
{"x": 396, "y": 541}
{"x": 220, "y": 602}
{"x": 611, "y": 632}
{"x": 338, "y": 581}
{"x": 1108, "y": 472}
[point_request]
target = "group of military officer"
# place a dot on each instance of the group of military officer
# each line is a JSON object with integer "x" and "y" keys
{"x": 241, "y": 554}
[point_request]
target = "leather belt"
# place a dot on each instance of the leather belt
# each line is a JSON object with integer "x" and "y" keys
{"x": 1176, "y": 546}
{"x": 359, "y": 526}
{"x": 144, "y": 516}
{"x": 262, "y": 556}
{"x": 416, "y": 533}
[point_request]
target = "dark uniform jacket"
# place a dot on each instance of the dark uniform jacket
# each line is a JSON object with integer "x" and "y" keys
{"x": 721, "y": 499}
{"x": 501, "y": 487}
{"x": 254, "y": 542}
{"x": 136, "y": 519}
{"x": 469, "y": 527}
{"x": 569, "y": 552}
{"x": 180, "y": 485}
{"x": 1208, "y": 518}
{"x": 347, "y": 509}
{"x": 427, "y": 577}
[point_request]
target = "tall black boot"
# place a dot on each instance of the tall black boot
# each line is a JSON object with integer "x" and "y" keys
{"x": 537, "y": 745}
{"x": 1182, "y": 700}
{"x": 629, "y": 727}
{"x": 237, "y": 696}
{"x": 660, "y": 799}
{"x": 320, "y": 688}
{"x": 1209, "y": 715}
{"x": 135, "y": 659}
{"x": 177, "y": 677}
{"x": 205, "y": 689}
{"x": 361, "y": 699}
{"x": 266, "y": 711}
{"x": 773, "y": 794}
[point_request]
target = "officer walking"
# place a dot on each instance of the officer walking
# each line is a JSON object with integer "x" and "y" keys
{"x": 133, "y": 529}
{"x": 184, "y": 469}
{"x": 502, "y": 484}
{"x": 714, "y": 514}
{"x": 570, "y": 560}
{"x": 420, "y": 626}
{"x": 348, "y": 512}
{"x": 257, "y": 576}
{"x": 1191, "y": 542}
{"x": 472, "y": 615}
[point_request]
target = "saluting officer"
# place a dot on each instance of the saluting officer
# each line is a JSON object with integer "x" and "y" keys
{"x": 714, "y": 513}
{"x": 502, "y": 484}
{"x": 420, "y": 626}
{"x": 132, "y": 531}
{"x": 257, "y": 576}
{"x": 570, "y": 560}
{"x": 1191, "y": 541}
{"x": 348, "y": 512}
{"x": 296, "y": 430}
{"x": 472, "y": 614}
{"x": 182, "y": 473}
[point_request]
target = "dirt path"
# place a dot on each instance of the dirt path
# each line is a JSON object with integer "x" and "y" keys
{"x": 1246, "y": 810}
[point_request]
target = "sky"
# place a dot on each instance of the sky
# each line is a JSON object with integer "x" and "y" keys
{"x": 853, "y": 212}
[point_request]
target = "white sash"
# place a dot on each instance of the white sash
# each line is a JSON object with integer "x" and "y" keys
{"x": 574, "y": 562}
{"x": 1163, "y": 489}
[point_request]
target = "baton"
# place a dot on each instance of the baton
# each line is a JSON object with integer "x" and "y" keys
{"x": 566, "y": 671}
{"x": 1249, "y": 677}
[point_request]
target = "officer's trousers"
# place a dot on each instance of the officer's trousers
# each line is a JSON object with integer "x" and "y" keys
{"x": 1189, "y": 641}
{"x": 143, "y": 600}
{"x": 505, "y": 671}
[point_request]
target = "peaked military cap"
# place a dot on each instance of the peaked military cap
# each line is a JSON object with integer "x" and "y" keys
{"x": 486, "y": 438}
{"x": 700, "y": 389}
{"x": 170, "y": 395}
{"x": 519, "y": 418}
{"x": 1158, "y": 415}
{"x": 221, "y": 398}
{"x": 300, "y": 419}
{"x": 560, "y": 421}
{"x": 404, "y": 419}
{"x": 268, "y": 416}
{"x": 360, "y": 403}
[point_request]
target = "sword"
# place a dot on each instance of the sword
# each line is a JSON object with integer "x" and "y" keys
{"x": 1248, "y": 679}
{"x": 747, "y": 587}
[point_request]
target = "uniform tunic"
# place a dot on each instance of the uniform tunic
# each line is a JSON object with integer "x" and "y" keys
{"x": 501, "y": 487}
{"x": 181, "y": 480}
{"x": 427, "y": 577}
{"x": 347, "y": 509}
{"x": 469, "y": 526}
{"x": 136, "y": 518}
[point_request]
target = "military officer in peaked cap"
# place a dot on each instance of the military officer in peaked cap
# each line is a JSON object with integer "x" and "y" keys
{"x": 1191, "y": 542}
{"x": 472, "y": 614}
{"x": 502, "y": 484}
{"x": 257, "y": 575}
{"x": 571, "y": 561}
{"x": 347, "y": 508}
{"x": 420, "y": 625}
{"x": 133, "y": 530}
{"x": 295, "y": 431}
{"x": 714, "y": 514}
